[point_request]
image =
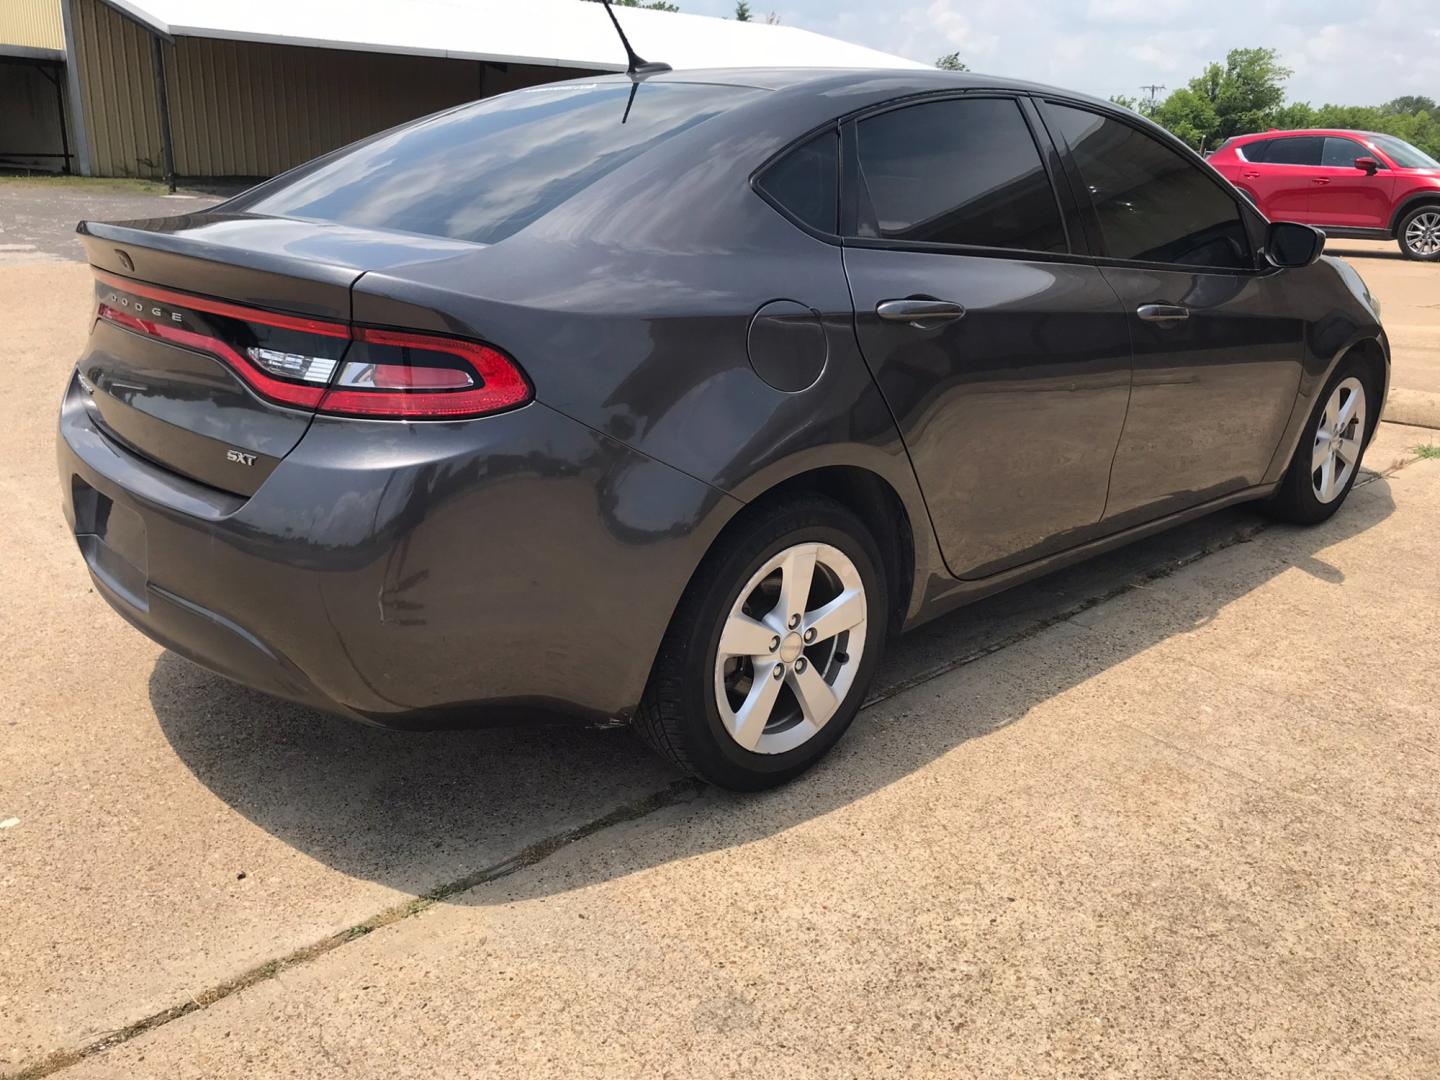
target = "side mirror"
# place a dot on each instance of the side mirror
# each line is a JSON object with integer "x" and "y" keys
{"x": 1368, "y": 164}
{"x": 1289, "y": 245}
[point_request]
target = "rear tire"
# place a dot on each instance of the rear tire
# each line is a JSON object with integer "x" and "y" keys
{"x": 1419, "y": 233}
{"x": 743, "y": 694}
{"x": 1327, "y": 460}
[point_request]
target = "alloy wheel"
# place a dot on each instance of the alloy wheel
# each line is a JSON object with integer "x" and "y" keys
{"x": 1422, "y": 235}
{"x": 790, "y": 648}
{"x": 1338, "y": 440}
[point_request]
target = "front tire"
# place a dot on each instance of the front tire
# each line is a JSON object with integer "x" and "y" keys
{"x": 772, "y": 648}
{"x": 1327, "y": 460}
{"x": 1419, "y": 233}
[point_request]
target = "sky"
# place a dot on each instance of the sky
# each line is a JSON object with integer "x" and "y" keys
{"x": 1346, "y": 52}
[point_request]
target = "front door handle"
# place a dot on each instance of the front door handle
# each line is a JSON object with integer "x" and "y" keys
{"x": 1320, "y": 179}
{"x": 923, "y": 314}
{"x": 1163, "y": 313}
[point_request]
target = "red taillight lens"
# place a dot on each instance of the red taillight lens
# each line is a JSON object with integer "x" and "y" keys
{"x": 294, "y": 361}
{"x": 389, "y": 373}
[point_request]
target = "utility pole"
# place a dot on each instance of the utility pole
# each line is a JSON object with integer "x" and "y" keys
{"x": 1153, "y": 88}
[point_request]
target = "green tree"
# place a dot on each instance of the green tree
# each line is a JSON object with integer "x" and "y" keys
{"x": 1242, "y": 94}
{"x": 951, "y": 62}
{"x": 1191, "y": 115}
{"x": 1247, "y": 93}
{"x": 742, "y": 11}
{"x": 1409, "y": 104}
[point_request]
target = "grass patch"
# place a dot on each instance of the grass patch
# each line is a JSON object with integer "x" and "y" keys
{"x": 1428, "y": 451}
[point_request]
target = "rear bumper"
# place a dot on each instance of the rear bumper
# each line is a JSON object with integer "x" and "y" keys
{"x": 409, "y": 575}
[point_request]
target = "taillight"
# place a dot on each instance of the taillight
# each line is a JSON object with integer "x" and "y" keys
{"x": 283, "y": 358}
{"x": 388, "y": 373}
{"x": 317, "y": 364}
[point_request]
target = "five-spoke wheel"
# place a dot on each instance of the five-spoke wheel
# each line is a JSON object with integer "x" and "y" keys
{"x": 1327, "y": 461}
{"x": 771, "y": 651}
{"x": 1339, "y": 440}
{"x": 790, "y": 648}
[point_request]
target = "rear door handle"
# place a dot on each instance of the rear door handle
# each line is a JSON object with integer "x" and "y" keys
{"x": 1250, "y": 174}
{"x": 1163, "y": 313}
{"x": 1320, "y": 179}
{"x": 919, "y": 313}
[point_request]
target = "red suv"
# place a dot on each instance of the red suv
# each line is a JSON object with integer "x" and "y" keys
{"x": 1350, "y": 183}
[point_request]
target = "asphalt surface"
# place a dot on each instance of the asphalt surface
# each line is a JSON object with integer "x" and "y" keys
{"x": 1168, "y": 813}
{"x": 38, "y": 218}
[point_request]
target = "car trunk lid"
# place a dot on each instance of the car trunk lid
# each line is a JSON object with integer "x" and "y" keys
{"x": 217, "y": 335}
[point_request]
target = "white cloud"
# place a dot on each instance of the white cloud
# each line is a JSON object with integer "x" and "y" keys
{"x": 1347, "y": 51}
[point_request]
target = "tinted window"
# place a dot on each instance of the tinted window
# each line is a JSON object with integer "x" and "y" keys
{"x": 805, "y": 182}
{"x": 1301, "y": 150}
{"x": 958, "y": 172}
{"x": 1153, "y": 204}
{"x": 1341, "y": 153}
{"x": 487, "y": 170}
{"x": 1255, "y": 151}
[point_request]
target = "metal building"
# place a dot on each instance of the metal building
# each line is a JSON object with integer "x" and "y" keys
{"x": 249, "y": 88}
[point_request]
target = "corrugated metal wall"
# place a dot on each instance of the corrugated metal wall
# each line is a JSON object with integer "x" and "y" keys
{"x": 118, "y": 87}
{"x": 244, "y": 109}
{"x": 241, "y": 109}
{"x": 35, "y": 24}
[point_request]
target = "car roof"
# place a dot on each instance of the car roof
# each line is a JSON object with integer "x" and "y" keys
{"x": 817, "y": 80}
{"x": 1276, "y": 133}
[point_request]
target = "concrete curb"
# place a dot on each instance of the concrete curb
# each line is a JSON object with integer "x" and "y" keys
{"x": 1420, "y": 408}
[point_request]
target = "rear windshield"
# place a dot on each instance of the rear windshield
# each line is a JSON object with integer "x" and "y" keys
{"x": 487, "y": 170}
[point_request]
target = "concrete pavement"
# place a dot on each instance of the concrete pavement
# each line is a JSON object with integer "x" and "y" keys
{"x": 1192, "y": 832}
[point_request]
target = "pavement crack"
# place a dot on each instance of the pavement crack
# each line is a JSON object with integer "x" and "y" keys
{"x": 675, "y": 793}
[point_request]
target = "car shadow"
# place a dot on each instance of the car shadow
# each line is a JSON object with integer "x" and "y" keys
{"x": 1364, "y": 253}
{"x": 420, "y": 812}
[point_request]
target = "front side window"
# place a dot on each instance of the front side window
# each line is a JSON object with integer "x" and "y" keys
{"x": 1341, "y": 153}
{"x": 959, "y": 171}
{"x": 1153, "y": 204}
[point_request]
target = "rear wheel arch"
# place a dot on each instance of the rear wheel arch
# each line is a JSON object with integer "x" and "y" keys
{"x": 863, "y": 492}
{"x": 871, "y": 498}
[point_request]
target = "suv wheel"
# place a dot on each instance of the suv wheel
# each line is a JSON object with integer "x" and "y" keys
{"x": 1419, "y": 233}
{"x": 772, "y": 648}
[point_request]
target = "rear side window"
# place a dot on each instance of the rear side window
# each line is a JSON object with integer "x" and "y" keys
{"x": 1153, "y": 204}
{"x": 963, "y": 171}
{"x": 806, "y": 182}
{"x": 485, "y": 171}
{"x": 1255, "y": 151}
{"x": 1301, "y": 150}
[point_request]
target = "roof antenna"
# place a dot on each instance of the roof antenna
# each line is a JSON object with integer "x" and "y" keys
{"x": 638, "y": 68}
